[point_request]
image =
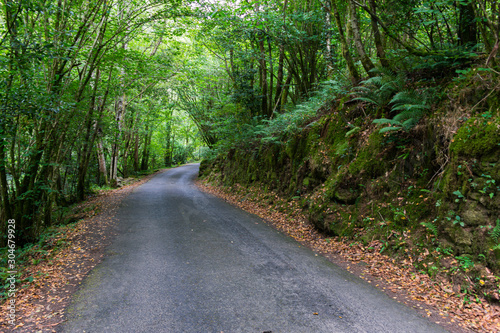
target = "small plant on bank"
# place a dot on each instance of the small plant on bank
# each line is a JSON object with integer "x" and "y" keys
{"x": 495, "y": 234}
{"x": 411, "y": 106}
{"x": 431, "y": 227}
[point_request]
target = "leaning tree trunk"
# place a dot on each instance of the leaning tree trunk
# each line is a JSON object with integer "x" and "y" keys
{"x": 327, "y": 8}
{"x": 263, "y": 75}
{"x": 365, "y": 59}
{"x": 345, "y": 48}
{"x": 378, "y": 37}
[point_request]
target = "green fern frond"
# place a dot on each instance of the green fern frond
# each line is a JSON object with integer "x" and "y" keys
{"x": 431, "y": 227}
{"x": 353, "y": 131}
{"x": 410, "y": 123}
{"x": 380, "y": 88}
{"x": 410, "y": 107}
{"x": 409, "y": 114}
{"x": 394, "y": 125}
{"x": 387, "y": 121}
{"x": 390, "y": 129}
{"x": 408, "y": 97}
{"x": 376, "y": 81}
{"x": 495, "y": 233}
{"x": 383, "y": 71}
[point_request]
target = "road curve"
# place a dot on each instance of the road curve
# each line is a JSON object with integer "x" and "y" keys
{"x": 185, "y": 261}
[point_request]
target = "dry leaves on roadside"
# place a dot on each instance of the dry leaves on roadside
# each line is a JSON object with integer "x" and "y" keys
{"x": 434, "y": 299}
{"x": 75, "y": 250}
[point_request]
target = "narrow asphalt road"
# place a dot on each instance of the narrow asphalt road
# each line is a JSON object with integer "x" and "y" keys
{"x": 185, "y": 261}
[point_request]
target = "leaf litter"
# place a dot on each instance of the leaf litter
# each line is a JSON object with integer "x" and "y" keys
{"x": 45, "y": 293}
{"x": 434, "y": 299}
{"x": 65, "y": 260}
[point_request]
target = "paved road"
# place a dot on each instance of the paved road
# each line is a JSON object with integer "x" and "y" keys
{"x": 184, "y": 261}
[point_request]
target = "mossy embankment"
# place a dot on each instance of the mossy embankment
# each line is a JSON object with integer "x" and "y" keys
{"x": 431, "y": 194}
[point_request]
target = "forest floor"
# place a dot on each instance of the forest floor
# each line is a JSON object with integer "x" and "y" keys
{"x": 56, "y": 270}
{"x": 432, "y": 298}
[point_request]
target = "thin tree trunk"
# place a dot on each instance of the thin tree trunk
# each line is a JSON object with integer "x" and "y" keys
{"x": 168, "y": 144}
{"x": 103, "y": 174}
{"x": 136, "y": 153}
{"x": 263, "y": 75}
{"x": 271, "y": 78}
{"x": 345, "y": 48}
{"x": 328, "y": 26}
{"x": 365, "y": 59}
{"x": 5, "y": 212}
{"x": 377, "y": 37}
{"x": 119, "y": 113}
{"x": 88, "y": 143}
{"x": 389, "y": 33}
{"x": 279, "y": 79}
{"x": 145, "y": 151}
{"x": 281, "y": 62}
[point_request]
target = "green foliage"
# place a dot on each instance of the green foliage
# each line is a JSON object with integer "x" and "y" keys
{"x": 465, "y": 263}
{"x": 379, "y": 89}
{"x": 235, "y": 129}
{"x": 495, "y": 233}
{"x": 431, "y": 226}
{"x": 353, "y": 131}
{"x": 387, "y": 90}
{"x": 478, "y": 136}
{"x": 456, "y": 219}
{"x": 459, "y": 195}
{"x": 411, "y": 106}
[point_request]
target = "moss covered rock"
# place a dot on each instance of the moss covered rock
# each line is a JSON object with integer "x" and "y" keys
{"x": 477, "y": 137}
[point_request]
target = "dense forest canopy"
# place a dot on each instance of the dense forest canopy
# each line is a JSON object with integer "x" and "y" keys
{"x": 91, "y": 91}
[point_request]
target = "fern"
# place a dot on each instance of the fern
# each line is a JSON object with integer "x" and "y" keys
{"x": 353, "y": 131}
{"x": 379, "y": 89}
{"x": 412, "y": 106}
{"x": 431, "y": 227}
{"x": 495, "y": 233}
{"x": 386, "y": 88}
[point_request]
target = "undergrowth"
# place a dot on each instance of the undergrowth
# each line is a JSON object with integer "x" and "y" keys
{"x": 49, "y": 243}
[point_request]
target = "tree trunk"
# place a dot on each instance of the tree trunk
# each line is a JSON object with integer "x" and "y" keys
{"x": 271, "y": 80}
{"x": 467, "y": 26}
{"x": 89, "y": 139}
{"x": 345, "y": 48}
{"x": 168, "y": 144}
{"x": 279, "y": 80}
{"x": 145, "y": 150}
{"x": 136, "y": 153}
{"x": 263, "y": 75}
{"x": 286, "y": 90}
{"x": 5, "y": 213}
{"x": 119, "y": 113}
{"x": 365, "y": 59}
{"x": 103, "y": 174}
{"x": 377, "y": 37}
{"x": 327, "y": 7}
